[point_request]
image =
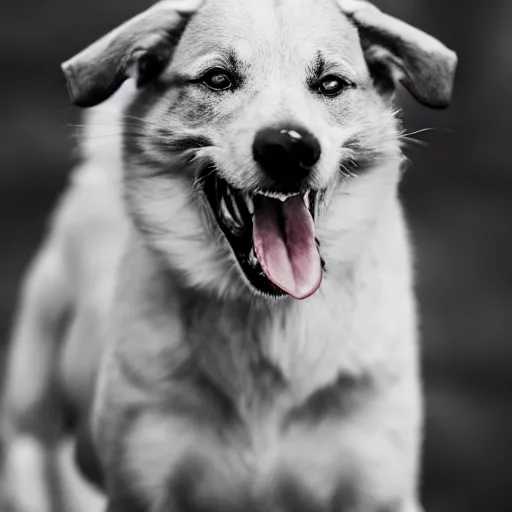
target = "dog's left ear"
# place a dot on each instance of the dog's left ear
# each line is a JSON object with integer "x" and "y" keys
{"x": 142, "y": 47}
{"x": 398, "y": 52}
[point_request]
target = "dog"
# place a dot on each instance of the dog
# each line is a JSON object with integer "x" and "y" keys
{"x": 225, "y": 295}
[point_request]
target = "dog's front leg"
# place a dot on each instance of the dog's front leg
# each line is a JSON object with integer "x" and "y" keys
{"x": 146, "y": 434}
{"x": 172, "y": 448}
{"x": 29, "y": 427}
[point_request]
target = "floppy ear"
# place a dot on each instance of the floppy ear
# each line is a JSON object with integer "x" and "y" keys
{"x": 398, "y": 52}
{"x": 144, "y": 45}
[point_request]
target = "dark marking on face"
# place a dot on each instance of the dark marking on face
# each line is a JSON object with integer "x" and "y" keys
{"x": 229, "y": 61}
{"x": 186, "y": 143}
{"x": 136, "y": 128}
{"x": 150, "y": 142}
{"x": 315, "y": 71}
{"x": 168, "y": 143}
{"x": 237, "y": 66}
{"x": 224, "y": 62}
{"x": 201, "y": 113}
{"x": 194, "y": 107}
{"x": 361, "y": 159}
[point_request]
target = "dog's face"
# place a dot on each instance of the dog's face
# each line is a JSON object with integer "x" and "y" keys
{"x": 262, "y": 144}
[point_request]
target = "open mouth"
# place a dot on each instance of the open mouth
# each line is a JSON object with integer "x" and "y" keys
{"x": 272, "y": 236}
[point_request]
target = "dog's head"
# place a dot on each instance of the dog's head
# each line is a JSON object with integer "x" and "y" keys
{"x": 262, "y": 142}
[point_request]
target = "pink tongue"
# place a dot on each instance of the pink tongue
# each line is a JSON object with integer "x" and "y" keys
{"x": 289, "y": 255}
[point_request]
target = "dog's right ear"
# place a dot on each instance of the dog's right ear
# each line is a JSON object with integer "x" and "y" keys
{"x": 397, "y": 52}
{"x": 142, "y": 46}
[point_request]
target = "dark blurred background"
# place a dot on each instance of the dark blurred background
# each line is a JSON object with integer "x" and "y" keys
{"x": 458, "y": 196}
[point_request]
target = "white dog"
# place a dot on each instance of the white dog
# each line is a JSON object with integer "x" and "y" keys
{"x": 233, "y": 251}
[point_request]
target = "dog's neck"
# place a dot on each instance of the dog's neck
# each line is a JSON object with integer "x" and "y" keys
{"x": 251, "y": 348}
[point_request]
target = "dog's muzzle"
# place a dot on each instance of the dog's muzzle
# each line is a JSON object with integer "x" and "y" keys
{"x": 271, "y": 228}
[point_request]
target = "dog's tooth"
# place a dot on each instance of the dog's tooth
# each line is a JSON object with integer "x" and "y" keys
{"x": 315, "y": 204}
{"x": 253, "y": 260}
{"x": 306, "y": 200}
{"x": 224, "y": 210}
{"x": 241, "y": 206}
{"x": 236, "y": 227}
{"x": 274, "y": 195}
{"x": 250, "y": 203}
{"x": 234, "y": 209}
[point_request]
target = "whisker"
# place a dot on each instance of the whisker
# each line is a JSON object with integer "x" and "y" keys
{"x": 397, "y": 113}
{"x": 199, "y": 179}
{"x": 417, "y": 142}
{"x": 107, "y": 110}
{"x": 145, "y": 121}
{"x": 104, "y": 136}
{"x": 417, "y": 132}
{"x": 105, "y": 125}
{"x": 109, "y": 135}
{"x": 101, "y": 125}
{"x": 346, "y": 171}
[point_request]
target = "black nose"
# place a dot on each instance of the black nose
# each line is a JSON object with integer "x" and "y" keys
{"x": 286, "y": 154}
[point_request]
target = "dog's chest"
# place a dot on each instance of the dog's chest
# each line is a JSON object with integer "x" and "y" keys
{"x": 272, "y": 361}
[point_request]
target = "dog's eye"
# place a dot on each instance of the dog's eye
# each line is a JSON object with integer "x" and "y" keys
{"x": 218, "y": 80}
{"x": 332, "y": 85}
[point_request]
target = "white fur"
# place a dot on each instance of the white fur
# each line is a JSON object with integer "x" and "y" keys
{"x": 308, "y": 350}
{"x": 128, "y": 248}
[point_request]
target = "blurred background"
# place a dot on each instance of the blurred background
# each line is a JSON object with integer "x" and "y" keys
{"x": 457, "y": 193}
